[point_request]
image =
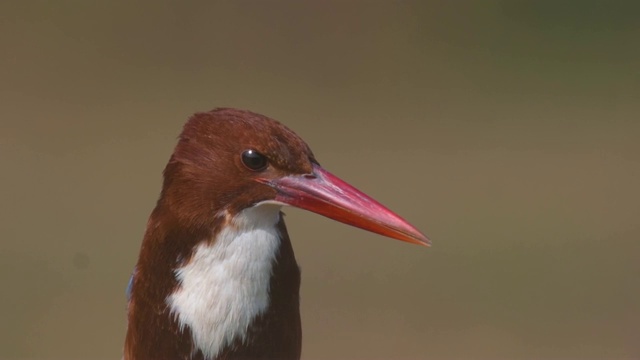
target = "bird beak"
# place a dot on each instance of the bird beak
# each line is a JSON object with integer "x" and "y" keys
{"x": 324, "y": 193}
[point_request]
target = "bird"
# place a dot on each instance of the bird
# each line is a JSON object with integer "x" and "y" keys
{"x": 216, "y": 277}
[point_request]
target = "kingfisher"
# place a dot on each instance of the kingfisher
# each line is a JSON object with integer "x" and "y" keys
{"x": 216, "y": 277}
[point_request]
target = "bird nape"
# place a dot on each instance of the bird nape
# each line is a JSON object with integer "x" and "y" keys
{"x": 217, "y": 277}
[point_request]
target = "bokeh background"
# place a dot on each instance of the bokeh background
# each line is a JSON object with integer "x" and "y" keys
{"x": 508, "y": 131}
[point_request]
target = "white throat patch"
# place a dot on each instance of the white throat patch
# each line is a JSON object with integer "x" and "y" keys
{"x": 225, "y": 285}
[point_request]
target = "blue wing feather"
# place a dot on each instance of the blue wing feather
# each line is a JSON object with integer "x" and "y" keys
{"x": 130, "y": 285}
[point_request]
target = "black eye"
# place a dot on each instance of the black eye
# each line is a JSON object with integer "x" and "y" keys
{"x": 254, "y": 160}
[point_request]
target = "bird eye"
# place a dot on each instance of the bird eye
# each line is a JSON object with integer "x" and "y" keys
{"x": 254, "y": 160}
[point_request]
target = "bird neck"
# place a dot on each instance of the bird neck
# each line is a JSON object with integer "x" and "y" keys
{"x": 235, "y": 294}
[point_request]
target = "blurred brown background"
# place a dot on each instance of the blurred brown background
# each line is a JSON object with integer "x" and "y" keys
{"x": 507, "y": 130}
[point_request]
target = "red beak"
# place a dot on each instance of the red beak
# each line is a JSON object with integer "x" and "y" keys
{"x": 324, "y": 193}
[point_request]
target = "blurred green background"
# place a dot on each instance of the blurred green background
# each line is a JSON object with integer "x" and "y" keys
{"x": 508, "y": 131}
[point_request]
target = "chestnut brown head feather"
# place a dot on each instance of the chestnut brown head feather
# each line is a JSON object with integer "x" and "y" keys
{"x": 206, "y": 171}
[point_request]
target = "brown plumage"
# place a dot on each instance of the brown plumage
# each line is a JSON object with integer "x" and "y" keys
{"x": 206, "y": 184}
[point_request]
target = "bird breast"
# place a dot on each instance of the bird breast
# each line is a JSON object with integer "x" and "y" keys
{"x": 225, "y": 284}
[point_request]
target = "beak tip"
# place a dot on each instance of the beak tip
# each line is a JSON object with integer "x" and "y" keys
{"x": 424, "y": 241}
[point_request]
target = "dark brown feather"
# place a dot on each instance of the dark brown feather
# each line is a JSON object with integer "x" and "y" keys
{"x": 204, "y": 186}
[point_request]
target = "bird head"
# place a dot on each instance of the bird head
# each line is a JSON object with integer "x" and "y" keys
{"x": 228, "y": 160}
